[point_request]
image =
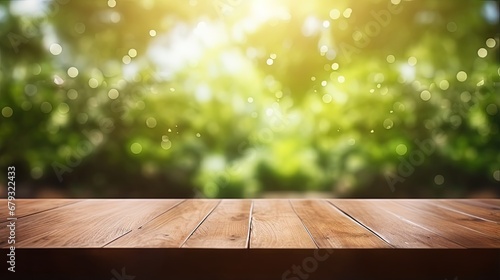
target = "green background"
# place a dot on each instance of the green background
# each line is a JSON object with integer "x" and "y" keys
{"x": 233, "y": 98}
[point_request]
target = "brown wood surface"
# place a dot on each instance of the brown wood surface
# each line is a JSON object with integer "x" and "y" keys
{"x": 447, "y": 228}
{"x": 494, "y": 202}
{"x": 471, "y": 222}
{"x": 258, "y": 223}
{"x": 331, "y": 228}
{"x": 487, "y": 213}
{"x": 90, "y": 223}
{"x": 275, "y": 225}
{"x": 395, "y": 230}
{"x": 227, "y": 227}
{"x": 171, "y": 229}
{"x": 25, "y": 207}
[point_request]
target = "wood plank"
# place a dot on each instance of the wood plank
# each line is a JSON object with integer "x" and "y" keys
{"x": 275, "y": 225}
{"x": 39, "y": 225}
{"x": 479, "y": 203}
{"x": 26, "y": 207}
{"x": 330, "y": 228}
{"x": 227, "y": 227}
{"x": 91, "y": 223}
{"x": 345, "y": 223}
{"x": 491, "y": 201}
{"x": 447, "y": 228}
{"x": 431, "y": 207}
{"x": 395, "y": 230}
{"x": 171, "y": 229}
{"x": 488, "y": 213}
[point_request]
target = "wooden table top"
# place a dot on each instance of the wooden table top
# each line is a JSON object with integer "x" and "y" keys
{"x": 255, "y": 223}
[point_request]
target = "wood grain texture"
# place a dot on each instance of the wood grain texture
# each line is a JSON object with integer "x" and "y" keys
{"x": 26, "y": 207}
{"x": 260, "y": 223}
{"x": 395, "y": 230}
{"x": 487, "y": 213}
{"x": 171, "y": 229}
{"x": 446, "y": 228}
{"x": 481, "y": 204}
{"x": 331, "y": 228}
{"x": 275, "y": 225}
{"x": 494, "y": 202}
{"x": 228, "y": 226}
{"x": 471, "y": 222}
{"x": 90, "y": 223}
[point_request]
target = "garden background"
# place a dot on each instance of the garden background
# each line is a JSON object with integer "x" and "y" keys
{"x": 234, "y": 98}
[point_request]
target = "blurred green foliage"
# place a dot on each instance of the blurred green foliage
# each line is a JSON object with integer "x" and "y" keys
{"x": 228, "y": 98}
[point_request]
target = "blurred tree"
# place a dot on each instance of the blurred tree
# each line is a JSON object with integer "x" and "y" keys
{"x": 235, "y": 98}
